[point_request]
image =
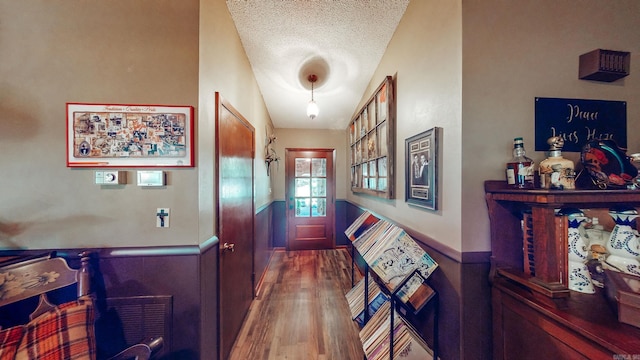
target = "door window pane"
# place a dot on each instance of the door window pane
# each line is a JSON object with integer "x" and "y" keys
{"x": 365, "y": 176}
{"x": 364, "y": 148}
{"x": 382, "y": 166}
{"x": 302, "y": 188}
{"x": 302, "y": 208}
{"x": 357, "y": 176}
{"x": 372, "y": 115}
{"x": 372, "y": 168}
{"x": 382, "y": 133}
{"x": 318, "y": 207}
{"x": 318, "y": 187}
{"x": 382, "y": 184}
{"x": 382, "y": 174}
{"x": 318, "y": 167}
{"x": 303, "y": 167}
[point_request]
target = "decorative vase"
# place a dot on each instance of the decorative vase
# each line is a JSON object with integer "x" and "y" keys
{"x": 623, "y": 245}
{"x": 579, "y": 276}
{"x": 555, "y": 171}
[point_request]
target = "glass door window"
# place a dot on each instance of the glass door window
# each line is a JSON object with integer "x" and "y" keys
{"x": 310, "y": 187}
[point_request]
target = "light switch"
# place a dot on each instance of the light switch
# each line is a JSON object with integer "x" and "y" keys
{"x": 111, "y": 177}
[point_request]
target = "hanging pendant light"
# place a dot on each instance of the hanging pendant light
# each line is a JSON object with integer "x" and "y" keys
{"x": 312, "y": 107}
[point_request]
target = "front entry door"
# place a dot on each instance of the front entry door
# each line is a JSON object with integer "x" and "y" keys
{"x": 234, "y": 198}
{"x": 310, "y": 193}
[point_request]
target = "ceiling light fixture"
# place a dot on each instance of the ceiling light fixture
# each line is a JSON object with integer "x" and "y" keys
{"x": 312, "y": 108}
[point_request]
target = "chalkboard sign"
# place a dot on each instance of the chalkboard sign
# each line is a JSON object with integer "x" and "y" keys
{"x": 579, "y": 121}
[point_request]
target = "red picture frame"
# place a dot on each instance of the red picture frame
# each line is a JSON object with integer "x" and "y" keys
{"x": 129, "y": 135}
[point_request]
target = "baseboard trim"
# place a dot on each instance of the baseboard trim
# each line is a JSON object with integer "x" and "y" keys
{"x": 258, "y": 287}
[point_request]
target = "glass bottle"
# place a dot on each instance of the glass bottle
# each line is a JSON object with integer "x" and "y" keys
{"x": 520, "y": 169}
{"x": 596, "y": 237}
{"x": 556, "y": 172}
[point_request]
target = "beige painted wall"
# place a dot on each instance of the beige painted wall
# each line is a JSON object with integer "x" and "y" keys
{"x": 474, "y": 68}
{"x": 224, "y": 68}
{"x": 425, "y": 57}
{"x": 305, "y": 138}
{"x": 120, "y": 51}
{"x": 515, "y": 51}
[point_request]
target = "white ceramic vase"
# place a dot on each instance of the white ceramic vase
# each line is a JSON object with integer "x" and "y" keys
{"x": 624, "y": 245}
{"x": 579, "y": 276}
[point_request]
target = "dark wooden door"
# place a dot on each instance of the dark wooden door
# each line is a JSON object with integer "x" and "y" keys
{"x": 310, "y": 193}
{"x": 235, "y": 227}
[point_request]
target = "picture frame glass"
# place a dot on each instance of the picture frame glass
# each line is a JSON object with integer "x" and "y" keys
{"x": 421, "y": 169}
{"x": 117, "y": 135}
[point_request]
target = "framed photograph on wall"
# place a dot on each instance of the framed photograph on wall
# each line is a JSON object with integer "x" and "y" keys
{"x": 118, "y": 135}
{"x": 422, "y": 169}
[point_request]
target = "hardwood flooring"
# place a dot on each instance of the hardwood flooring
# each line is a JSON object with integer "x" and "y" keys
{"x": 301, "y": 311}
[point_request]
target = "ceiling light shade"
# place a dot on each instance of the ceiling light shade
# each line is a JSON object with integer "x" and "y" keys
{"x": 312, "y": 110}
{"x": 312, "y": 107}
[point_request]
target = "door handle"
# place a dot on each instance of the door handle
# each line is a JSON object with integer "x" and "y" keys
{"x": 228, "y": 247}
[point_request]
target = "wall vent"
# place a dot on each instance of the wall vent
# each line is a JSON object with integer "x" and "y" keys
{"x": 604, "y": 65}
{"x": 143, "y": 317}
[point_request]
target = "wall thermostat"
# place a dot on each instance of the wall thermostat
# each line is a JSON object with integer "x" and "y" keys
{"x": 111, "y": 177}
{"x": 151, "y": 178}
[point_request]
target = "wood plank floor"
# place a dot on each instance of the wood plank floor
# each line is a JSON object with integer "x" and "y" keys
{"x": 301, "y": 311}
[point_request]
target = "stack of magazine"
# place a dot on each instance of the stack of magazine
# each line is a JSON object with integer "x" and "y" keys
{"x": 355, "y": 298}
{"x": 375, "y": 338}
{"x": 394, "y": 257}
{"x": 362, "y": 223}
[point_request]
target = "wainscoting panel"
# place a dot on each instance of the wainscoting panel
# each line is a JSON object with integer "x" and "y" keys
{"x": 143, "y": 317}
{"x": 263, "y": 243}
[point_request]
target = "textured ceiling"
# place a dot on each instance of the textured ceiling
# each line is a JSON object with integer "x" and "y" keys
{"x": 340, "y": 41}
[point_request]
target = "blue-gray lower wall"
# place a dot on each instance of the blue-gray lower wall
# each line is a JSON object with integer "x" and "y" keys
{"x": 264, "y": 241}
{"x": 188, "y": 274}
{"x": 279, "y": 224}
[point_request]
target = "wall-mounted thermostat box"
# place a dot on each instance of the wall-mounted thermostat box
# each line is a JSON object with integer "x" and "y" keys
{"x": 151, "y": 178}
{"x": 111, "y": 177}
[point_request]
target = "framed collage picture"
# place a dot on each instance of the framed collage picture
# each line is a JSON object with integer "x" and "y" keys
{"x": 118, "y": 135}
{"x": 422, "y": 169}
{"x": 371, "y": 141}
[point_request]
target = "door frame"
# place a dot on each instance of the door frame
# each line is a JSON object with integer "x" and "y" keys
{"x": 331, "y": 200}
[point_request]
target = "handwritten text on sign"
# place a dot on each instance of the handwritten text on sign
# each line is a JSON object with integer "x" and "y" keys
{"x": 579, "y": 121}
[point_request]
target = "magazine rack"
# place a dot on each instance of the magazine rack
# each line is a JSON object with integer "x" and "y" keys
{"x": 409, "y": 295}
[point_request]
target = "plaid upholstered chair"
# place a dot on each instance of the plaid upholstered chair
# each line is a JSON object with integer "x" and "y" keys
{"x": 55, "y": 332}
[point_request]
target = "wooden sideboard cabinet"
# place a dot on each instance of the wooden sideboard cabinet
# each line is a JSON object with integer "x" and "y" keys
{"x": 534, "y": 314}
